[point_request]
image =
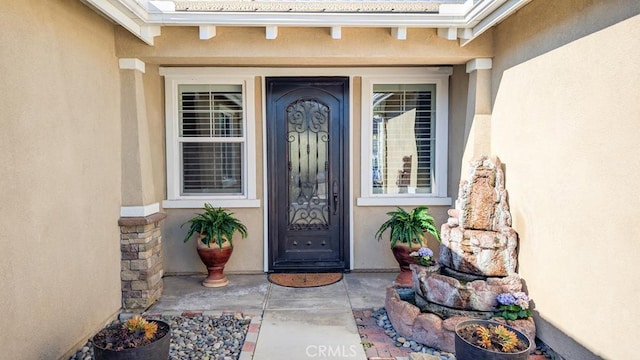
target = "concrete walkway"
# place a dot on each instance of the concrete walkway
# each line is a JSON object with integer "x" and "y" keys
{"x": 297, "y": 323}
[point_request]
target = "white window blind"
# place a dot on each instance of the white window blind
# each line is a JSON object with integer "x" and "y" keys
{"x": 211, "y": 139}
{"x": 403, "y": 138}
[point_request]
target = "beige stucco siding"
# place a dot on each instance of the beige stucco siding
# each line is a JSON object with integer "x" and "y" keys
{"x": 60, "y": 183}
{"x": 565, "y": 124}
{"x": 295, "y": 48}
{"x": 154, "y": 96}
{"x": 368, "y": 254}
{"x": 458, "y": 137}
{"x": 181, "y": 258}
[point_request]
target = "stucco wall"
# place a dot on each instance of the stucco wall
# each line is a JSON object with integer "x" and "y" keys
{"x": 565, "y": 123}
{"x": 369, "y": 254}
{"x": 248, "y": 254}
{"x": 182, "y": 258}
{"x": 154, "y": 96}
{"x": 60, "y": 183}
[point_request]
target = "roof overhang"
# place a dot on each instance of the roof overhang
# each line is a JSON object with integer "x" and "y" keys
{"x": 461, "y": 20}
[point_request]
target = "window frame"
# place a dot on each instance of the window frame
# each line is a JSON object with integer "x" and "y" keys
{"x": 175, "y": 199}
{"x": 438, "y": 196}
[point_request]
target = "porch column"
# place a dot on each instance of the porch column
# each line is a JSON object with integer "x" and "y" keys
{"x": 141, "y": 238}
{"x": 478, "y": 118}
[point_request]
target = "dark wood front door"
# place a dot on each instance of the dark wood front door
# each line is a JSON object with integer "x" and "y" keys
{"x": 307, "y": 151}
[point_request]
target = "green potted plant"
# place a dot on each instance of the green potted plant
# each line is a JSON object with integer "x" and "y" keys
{"x": 407, "y": 233}
{"x": 136, "y": 338}
{"x": 215, "y": 226}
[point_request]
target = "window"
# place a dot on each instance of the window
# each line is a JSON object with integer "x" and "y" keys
{"x": 211, "y": 139}
{"x": 210, "y": 157}
{"x": 404, "y": 140}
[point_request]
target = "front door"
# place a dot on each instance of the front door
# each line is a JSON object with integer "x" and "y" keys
{"x": 307, "y": 152}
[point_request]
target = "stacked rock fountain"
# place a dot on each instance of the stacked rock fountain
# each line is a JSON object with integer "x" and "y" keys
{"x": 478, "y": 259}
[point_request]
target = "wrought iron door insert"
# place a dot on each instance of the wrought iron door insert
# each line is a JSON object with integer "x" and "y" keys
{"x": 306, "y": 124}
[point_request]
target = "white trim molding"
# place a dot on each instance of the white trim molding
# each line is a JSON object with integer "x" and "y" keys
{"x": 131, "y": 64}
{"x": 132, "y": 18}
{"x": 439, "y": 77}
{"x": 160, "y": 6}
{"x": 404, "y": 201}
{"x": 464, "y": 21}
{"x": 479, "y": 64}
{"x": 399, "y": 32}
{"x": 175, "y": 199}
{"x": 199, "y": 203}
{"x": 336, "y": 32}
{"x": 139, "y": 211}
{"x": 450, "y": 33}
{"x": 271, "y": 32}
{"x": 207, "y": 32}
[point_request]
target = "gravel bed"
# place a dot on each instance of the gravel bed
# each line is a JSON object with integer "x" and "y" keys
{"x": 198, "y": 337}
{"x": 383, "y": 321}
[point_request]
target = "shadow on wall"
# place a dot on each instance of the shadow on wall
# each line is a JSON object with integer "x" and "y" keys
{"x": 560, "y": 340}
{"x": 458, "y": 93}
{"x": 545, "y": 25}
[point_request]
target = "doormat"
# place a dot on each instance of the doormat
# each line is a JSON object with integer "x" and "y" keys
{"x": 304, "y": 280}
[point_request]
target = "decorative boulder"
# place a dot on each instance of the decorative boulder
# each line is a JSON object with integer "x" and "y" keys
{"x": 482, "y": 200}
{"x": 479, "y": 295}
{"x": 480, "y": 252}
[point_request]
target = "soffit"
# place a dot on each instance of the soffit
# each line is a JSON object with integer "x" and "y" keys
{"x": 350, "y": 6}
{"x": 455, "y": 20}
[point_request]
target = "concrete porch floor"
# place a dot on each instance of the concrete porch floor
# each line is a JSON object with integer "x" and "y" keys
{"x": 297, "y": 323}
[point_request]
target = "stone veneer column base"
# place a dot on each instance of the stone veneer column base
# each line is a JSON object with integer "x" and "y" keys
{"x": 141, "y": 264}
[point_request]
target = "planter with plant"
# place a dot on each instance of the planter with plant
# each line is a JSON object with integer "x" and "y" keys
{"x": 424, "y": 256}
{"x": 215, "y": 227}
{"x": 136, "y": 338}
{"x": 407, "y": 233}
{"x": 513, "y": 306}
{"x": 490, "y": 340}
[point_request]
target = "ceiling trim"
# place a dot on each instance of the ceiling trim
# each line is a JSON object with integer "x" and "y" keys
{"x": 462, "y": 22}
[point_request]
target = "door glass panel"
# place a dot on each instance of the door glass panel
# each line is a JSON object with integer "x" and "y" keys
{"x": 308, "y": 164}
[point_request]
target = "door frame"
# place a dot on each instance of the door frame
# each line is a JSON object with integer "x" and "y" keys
{"x": 345, "y": 159}
{"x": 311, "y": 72}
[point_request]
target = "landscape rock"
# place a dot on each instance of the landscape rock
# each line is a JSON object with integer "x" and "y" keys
{"x": 422, "y": 356}
{"x": 486, "y": 253}
{"x": 478, "y": 295}
{"x": 482, "y": 200}
{"x": 401, "y": 313}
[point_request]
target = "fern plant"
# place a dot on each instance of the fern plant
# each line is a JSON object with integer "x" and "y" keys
{"x": 409, "y": 227}
{"x": 215, "y": 225}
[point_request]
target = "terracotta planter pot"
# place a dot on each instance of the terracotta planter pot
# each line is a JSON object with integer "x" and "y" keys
{"x": 468, "y": 351}
{"x": 401, "y": 252}
{"x": 156, "y": 350}
{"x": 215, "y": 258}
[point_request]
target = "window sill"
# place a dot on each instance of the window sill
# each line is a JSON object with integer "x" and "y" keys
{"x": 403, "y": 201}
{"x": 199, "y": 203}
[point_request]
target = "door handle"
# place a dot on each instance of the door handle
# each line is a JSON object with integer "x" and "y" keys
{"x": 335, "y": 197}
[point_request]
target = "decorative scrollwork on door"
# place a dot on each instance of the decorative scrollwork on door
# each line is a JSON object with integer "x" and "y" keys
{"x": 308, "y": 164}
